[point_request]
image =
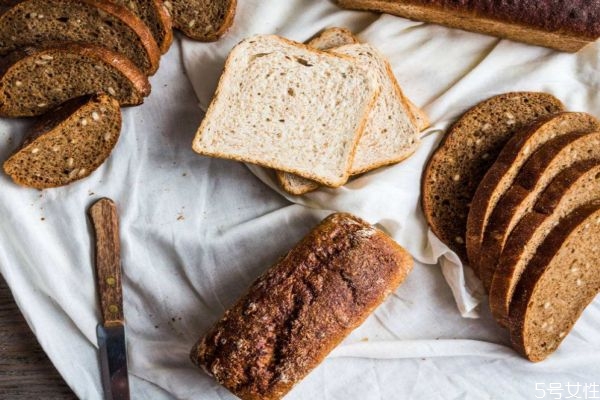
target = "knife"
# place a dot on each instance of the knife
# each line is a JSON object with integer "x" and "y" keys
{"x": 111, "y": 332}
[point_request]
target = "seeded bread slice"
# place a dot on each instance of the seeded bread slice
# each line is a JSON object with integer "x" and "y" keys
{"x": 501, "y": 175}
{"x": 557, "y": 285}
{"x": 468, "y": 150}
{"x": 203, "y": 20}
{"x": 34, "y": 81}
{"x": 39, "y": 22}
{"x": 535, "y": 176}
{"x": 68, "y": 144}
{"x": 156, "y": 16}
{"x": 283, "y": 105}
{"x": 572, "y": 188}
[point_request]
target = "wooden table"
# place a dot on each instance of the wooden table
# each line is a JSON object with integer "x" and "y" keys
{"x": 25, "y": 370}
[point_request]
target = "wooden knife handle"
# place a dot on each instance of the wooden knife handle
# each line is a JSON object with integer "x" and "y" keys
{"x": 108, "y": 260}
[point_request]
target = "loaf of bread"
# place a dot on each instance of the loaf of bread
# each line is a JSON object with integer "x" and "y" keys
{"x": 558, "y": 24}
{"x": 301, "y": 308}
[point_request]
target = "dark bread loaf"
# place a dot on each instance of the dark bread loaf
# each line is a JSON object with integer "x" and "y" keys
{"x": 40, "y": 22}
{"x": 557, "y": 285}
{"x": 468, "y": 150}
{"x": 68, "y": 144}
{"x": 204, "y": 20}
{"x": 34, "y": 81}
{"x": 301, "y": 308}
{"x": 558, "y": 24}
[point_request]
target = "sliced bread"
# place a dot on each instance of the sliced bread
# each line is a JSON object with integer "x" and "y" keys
{"x": 535, "y": 176}
{"x": 203, "y": 20}
{"x": 501, "y": 175}
{"x": 283, "y": 105}
{"x": 572, "y": 188}
{"x": 40, "y": 22}
{"x": 68, "y": 144}
{"x": 156, "y": 16}
{"x": 34, "y": 81}
{"x": 557, "y": 285}
{"x": 468, "y": 150}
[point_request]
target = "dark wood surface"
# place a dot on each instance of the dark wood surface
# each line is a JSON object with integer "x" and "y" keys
{"x": 25, "y": 370}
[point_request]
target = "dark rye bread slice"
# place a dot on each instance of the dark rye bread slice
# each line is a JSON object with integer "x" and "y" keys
{"x": 515, "y": 153}
{"x": 203, "y": 20}
{"x": 535, "y": 176}
{"x": 572, "y": 188}
{"x": 68, "y": 144}
{"x": 39, "y": 22}
{"x": 34, "y": 81}
{"x": 468, "y": 150}
{"x": 156, "y": 17}
{"x": 301, "y": 308}
{"x": 557, "y": 285}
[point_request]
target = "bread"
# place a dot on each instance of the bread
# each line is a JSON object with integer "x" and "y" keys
{"x": 537, "y": 173}
{"x": 304, "y": 110}
{"x": 204, "y": 20}
{"x": 501, "y": 175}
{"x": 566, "y": 26}
{"x": 468, "y": 150}
{"x": 41, "y": 22}
{"x": 572, "y": 188}
{"x": 34, "y": 81}
{"x": 156, "y": 16}
{"x": 68, "y": 144}
{"x": 557, "y": 285}
{"x": 301, "y": 308}
{"x": 331, "y": 38}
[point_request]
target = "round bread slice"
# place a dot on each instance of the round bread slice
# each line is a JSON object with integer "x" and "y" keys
{"x": 468, "y": 150}
{"x": 557, "y": 285}
{"x": 572, "y": 188}
{"x": 68, "y": 144}
{"x": 535, "y": 176}
{"x": 34, "y": 81}
{"x": 515, "y": 153}
{"x": 156, "y": 17}
{"x": 203, "y": 20}
{"x": 39, "y": 22}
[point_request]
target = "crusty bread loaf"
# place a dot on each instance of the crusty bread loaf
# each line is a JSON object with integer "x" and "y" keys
{"x": 566, "y": 26}
{"x": 557, "y": 285}
{"x": 572, "y": 188}
{"x": 516, "y": 152}
{"x": 535, "y": 175}
{"x": 301, "y": 308}
{"x": 204, "y": 20}
{"x": 156, "y": 16}
{"x": 34, "y": 81}
{"x": 284, "y": 105}
{"x": 68, "y": 144}
{"x": 468, "y": 150}
{"x": 40, "y": 22}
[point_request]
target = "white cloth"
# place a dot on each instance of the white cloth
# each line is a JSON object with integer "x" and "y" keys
{"x": 197, "y": 231}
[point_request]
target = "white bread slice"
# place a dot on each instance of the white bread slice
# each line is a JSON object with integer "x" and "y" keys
{"x": 283, "y": 105}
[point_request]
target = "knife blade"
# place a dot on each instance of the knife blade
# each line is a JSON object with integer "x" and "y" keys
{"x": 111, "y": 331}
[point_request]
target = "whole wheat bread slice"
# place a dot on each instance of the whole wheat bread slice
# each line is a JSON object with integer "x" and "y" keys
{"x": 156, "y": 17}
{"x": 535, "y": 176}
{"x": 572, "y": 188}
{"x": 283, "y": 105}
{"x": 34, "y": 81}
{"x": 501, "y": 175}
{"x": 468, "y": 150}
{"x": 203, "y": 20}
{"x": 40, "y": 22}
{"x": 557, "y": 285}
{"x": 68, "y": 144}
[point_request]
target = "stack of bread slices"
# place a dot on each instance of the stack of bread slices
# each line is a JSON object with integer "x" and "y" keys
{"x": 82, "y": 60}
{"x": 514, "y": 190}
{"x": 317, "y": 113}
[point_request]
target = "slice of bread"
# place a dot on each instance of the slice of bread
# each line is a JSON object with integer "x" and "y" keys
{"x": 331, "y": 38}
{"x": 41, "y": 22}
{"x": 34, "y": 81}
{"x": 468, "y": 150}
{"x": 156, "y": 17}
{"x": 68, "y": 144}
{"x": 535, "y": 176}
{"x": 501, "y": 175}
{"x": 557, "y": 285}
{"x": 283, "y": 105}
{"x": 572, "y": 188}
{"x": 203, "y": 20}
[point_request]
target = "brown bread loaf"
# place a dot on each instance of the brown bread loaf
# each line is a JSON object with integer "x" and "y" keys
{"x": 204, "y": 20}
{"x": 156, "y": 16}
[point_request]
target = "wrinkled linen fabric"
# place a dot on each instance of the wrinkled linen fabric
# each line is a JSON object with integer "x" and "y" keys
{"x": 197, "y": 231}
